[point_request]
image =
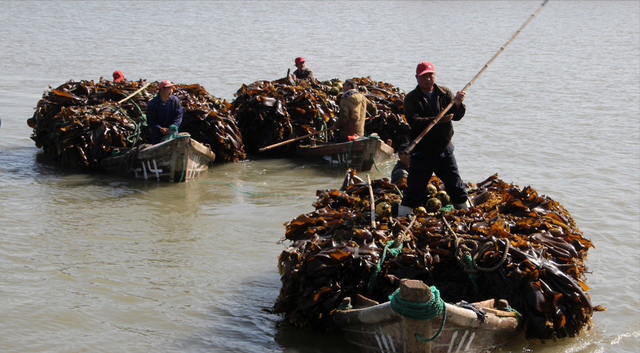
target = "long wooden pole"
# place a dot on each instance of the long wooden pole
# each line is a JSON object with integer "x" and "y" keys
{"x": 372, "y": 203}
{"x": 292, "y": 140}
{"x": 134, "y": 93}
{"x": 441, "y": 114}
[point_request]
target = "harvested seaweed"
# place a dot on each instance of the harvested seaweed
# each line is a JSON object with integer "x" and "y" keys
{"x": 269, "y": 112}
{"x": 80, "y": 123}
{"x": 513, "y": 244}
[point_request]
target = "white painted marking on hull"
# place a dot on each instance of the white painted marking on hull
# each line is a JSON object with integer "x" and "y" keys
{"x": 378, "y": 340}
{"x": 473, "y": 335}
{"x": 155, "y": 169}
{"x": 464, "y": 337}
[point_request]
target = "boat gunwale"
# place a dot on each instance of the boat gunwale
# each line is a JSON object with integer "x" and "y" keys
{"x": 383, "y": 312}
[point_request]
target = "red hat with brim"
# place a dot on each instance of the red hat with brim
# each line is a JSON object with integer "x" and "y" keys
{"x": 299, "y": 60}
{"x": 165, "y": 83}
{"x": 424, "y": 67}
{"x": 118, "y": 76}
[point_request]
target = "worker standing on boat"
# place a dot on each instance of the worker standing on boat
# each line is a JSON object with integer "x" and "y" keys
{"x": 302, "y": 73}
{"x": 164, "y": 111}
{"x": 434, "y": 153}
{"x": 354, "y": 107}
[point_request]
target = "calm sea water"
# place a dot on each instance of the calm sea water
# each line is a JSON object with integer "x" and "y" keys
{"x": 98, "y": 264}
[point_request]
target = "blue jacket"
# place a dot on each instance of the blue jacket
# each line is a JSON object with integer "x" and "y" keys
{"x": 163, "y": 114}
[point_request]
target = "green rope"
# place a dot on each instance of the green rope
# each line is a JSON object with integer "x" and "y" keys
{"x": 421, "y": 311}
{"x": 512, "y": 310}
{"x": 133, "y": 138}
{"x": 374, "y": 162}
{"x": 183, "y": 167}
{"x": 447, "y": 208}
{"x": 172, "y": 135}
{"x": 345, "y": 306}
{"x": 322, "y": 126}
{"x": 346, "y": 161}
{"x": 391, "y": 247}
{"x": 473, "y": 275}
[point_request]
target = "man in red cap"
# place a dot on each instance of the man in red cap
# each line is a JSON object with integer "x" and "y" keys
{"x": 434, "y": 152}
{"x": 302, "y": 73}
{"x": 164, "y": 112}
{"x": 118, "y": 76}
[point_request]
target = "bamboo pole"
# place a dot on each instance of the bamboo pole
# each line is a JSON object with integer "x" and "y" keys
{"x": 373, "y": 204}
{"x": 291, "y": 140}
{"x": 134, "y": 93}
{"x": 441, "y": 114}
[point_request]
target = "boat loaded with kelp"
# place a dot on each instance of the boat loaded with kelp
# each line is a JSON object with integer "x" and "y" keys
{"x": 360, "y": 154}
{"x": 415, "y": 319}
{"x": 516, "y": 255}
{"x": 178, "y": 159}
{"x": 284, "y": 118}
{"x": 88, "y": 126}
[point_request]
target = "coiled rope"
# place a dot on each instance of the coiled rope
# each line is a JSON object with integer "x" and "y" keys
{"x": 394, "y": 247}
{"x": 422, "y": 310}
{"x": 467, "y": 253}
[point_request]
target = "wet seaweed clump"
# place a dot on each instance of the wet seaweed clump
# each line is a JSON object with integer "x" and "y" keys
{"x": 269, "y": 112}
{"x": 79, "y": 123}
{"x": 512, "y": 244}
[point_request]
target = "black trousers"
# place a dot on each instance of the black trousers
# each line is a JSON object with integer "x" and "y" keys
{"x": 421, "y": 168}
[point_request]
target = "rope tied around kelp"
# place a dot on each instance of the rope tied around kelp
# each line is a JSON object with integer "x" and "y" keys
{"x": 467, "y": 252}
{"x": 394, "y": 247}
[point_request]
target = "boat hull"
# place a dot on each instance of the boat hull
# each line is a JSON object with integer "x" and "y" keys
{"x": 179, "y": 159}
{"x": 359, "y": 154}
{"x": 379, "y": 329}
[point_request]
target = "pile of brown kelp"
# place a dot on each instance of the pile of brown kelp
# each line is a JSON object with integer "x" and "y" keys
{"x": 81, "y": 123}
{"x": 512, "y": 244}
{"x": 269, "y": 112}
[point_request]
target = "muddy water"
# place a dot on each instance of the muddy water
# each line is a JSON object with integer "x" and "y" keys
{"x": 94, "y": 263}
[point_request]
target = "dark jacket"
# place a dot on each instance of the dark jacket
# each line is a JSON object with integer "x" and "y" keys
{"x": 400, "y": 170}
{"x": 163, "y": 114}
{"x": 305, "y": 74}
{"x": 419, "y": 113}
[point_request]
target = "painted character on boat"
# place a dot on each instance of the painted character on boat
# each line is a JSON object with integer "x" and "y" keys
{"x": 163, "y": 111}
{"x": 302, "y": 73}
{"x": 354, "y": 107}
{"x": 434, "y": 152}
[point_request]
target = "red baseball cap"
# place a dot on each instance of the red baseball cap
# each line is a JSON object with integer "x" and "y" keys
{"x": 118, "y": 76}
{"x": 299, "y": 60}
{"x": 424, "y": 67}
{"x": 165, "y": 83}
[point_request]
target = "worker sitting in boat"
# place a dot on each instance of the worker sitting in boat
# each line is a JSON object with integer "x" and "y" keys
{"x": 302, "y": 73}
{"x": 354, "y": 107}
{"x": 401, "y": 169}
{"x": 163, "y": 112}
{"x": 118, "y": 76}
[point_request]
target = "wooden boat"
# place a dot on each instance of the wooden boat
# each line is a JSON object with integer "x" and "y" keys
{"x": 179, "y": 159}
{"x": 359, "y": 154}
{"x": 379, "y": 328}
